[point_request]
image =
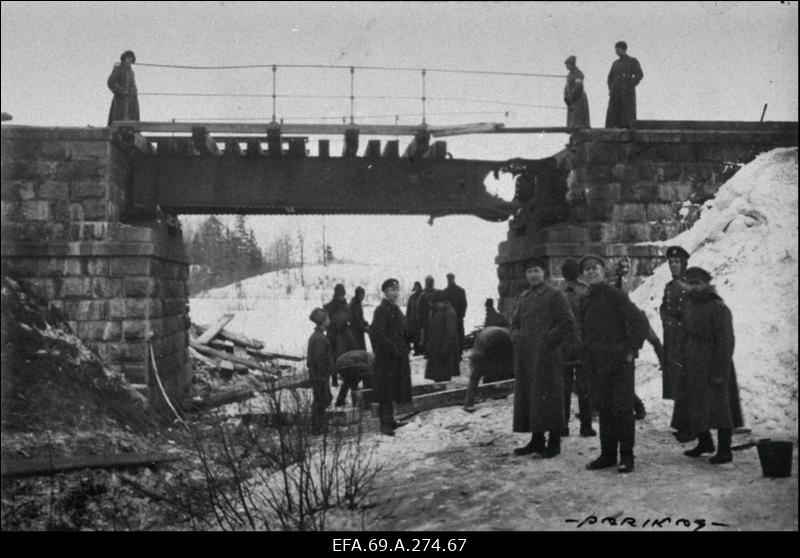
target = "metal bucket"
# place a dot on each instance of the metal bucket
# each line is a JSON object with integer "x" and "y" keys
{"x": 775, "y": 457}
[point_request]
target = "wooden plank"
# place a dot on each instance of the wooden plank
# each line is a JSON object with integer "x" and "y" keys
{"x": 250, "y": 363}
{"x": 34, "y": 467}
{"x": 218, "y": 400}
{"x": 420, "y": 389}
{"x": 215, "y": 328}
{"x": 249, "y": 128}
{"x": 451, "y": 397}
{"x": 240, "y": 339}
{"x": 272, "y": 356}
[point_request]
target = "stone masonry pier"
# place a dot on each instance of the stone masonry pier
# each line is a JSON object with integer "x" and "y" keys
{"x": 622, "y": 193}
{"x": 118, "y": 283}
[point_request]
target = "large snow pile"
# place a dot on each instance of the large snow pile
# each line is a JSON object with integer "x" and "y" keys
{"x": 747, "y": 239}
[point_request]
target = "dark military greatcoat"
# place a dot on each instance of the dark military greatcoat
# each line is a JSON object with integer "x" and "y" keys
{"x": 392, "y": 377}
{"x": 542, "y": 322}
{"x": 708, "y": 394}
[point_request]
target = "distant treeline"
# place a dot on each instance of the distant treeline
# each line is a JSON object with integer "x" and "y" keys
{"x": 221, "y": 255}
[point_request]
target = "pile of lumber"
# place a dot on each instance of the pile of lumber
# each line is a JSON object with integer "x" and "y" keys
{"x": 232, "y": 352}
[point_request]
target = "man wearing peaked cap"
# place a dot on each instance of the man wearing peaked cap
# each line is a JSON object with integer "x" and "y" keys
{"x": 319, "y": 360}
{"x": 613, "y": 330}
{"x": 591, "y": 257}
{"x": 392, "y": 376}
{"x": 671, "y": 312}
{"x": 677, "y": 252}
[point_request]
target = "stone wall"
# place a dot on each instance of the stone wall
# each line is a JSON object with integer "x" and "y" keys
{"x": 622, "y": 194}
{"x": 119, "y": 285}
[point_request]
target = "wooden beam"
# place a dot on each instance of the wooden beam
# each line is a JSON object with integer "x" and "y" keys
{"x": 250, "y": 363}
{"x": 450, "y": 397}
{"x": 215, "y": 328}
{"x": 272, "y": 356}
{"x": 243, "y": 128}
{"x": 44, "y": 466}
{"x": 240, "y": 339}
{"x": 421, "y": 389}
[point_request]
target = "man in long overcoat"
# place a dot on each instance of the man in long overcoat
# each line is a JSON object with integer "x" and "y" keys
{"x": 575, "y": 375}
{"x": 320, "y": 367}
{"x": 710, "y": 397}
{"x": 340, "y": 332}
{"x": 625, "y": 75}
{"x": 671, "y": 312}
{"x": 458, "y": 299}
{"x": 541, "y": 323}
{"x": 392, "y": 378}
{"x": 442, "y": 348}
{"x": 575, "y": 97}
{"x": 424, "y": 309}
{"x": 122, "y": 82}
{"x": 613, "y": 330}
{"x": 412, "y": 317}
{"x": 357, "y": 322}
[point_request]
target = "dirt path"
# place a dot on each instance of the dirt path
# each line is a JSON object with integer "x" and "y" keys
{"x": 451, "y": 470}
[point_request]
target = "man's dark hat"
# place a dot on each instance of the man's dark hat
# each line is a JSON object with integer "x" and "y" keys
{"x": 360, "y": 290}
{"x": 390, "y": 283}
{"x": 677, "y": 252}
{"x": 570, "y": 60}
{"x": 450, "y": 275}
{"x": 339, "y": 290}
{"x": 318, "y": 315}
{"x": 570, "y": 269}
{"x": 535, "y": 262}
{"x": 695, "y": 273}
{"x": 588, "y": 257}
{"x": 621, "y": 44}
{"x": 127, "y": 53}
{"x": 489, "y": 302}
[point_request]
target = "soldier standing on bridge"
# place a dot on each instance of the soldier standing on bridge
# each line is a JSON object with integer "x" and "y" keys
{"x": 625, "y": 75}
{"x": 125, "y": 105}
{"x": 575, "y": 97}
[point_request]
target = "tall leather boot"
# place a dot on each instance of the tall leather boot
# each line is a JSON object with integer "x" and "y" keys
{"x": 608, "y": 444}
{"x": 536, "y": 445}
{"x": 724, "y": 453}
{"x": 704, "y": 445}
{"x": 553, "y": 445}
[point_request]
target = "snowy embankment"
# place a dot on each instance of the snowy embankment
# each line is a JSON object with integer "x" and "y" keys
{"x": 747, "y": 239}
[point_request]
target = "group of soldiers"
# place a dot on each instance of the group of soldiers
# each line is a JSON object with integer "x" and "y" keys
{"x": 591, "y": 332}
{"x": 433, "y": 325}
{"x": 586, "y": 335}
{"x": 624, "y": 76}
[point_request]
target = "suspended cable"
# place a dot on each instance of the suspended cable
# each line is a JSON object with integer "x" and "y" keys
{"x": 374, "y": 97}
{"x": 335, "y": 66}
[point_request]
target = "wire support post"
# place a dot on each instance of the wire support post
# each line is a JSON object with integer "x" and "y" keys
{"x": 274, "y": 95}
{"x": 352, "y": 94}
{"x": 423, "y": 97}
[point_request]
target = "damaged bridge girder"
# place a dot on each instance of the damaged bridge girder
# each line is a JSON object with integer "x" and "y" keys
{"x": 309, "y": 185}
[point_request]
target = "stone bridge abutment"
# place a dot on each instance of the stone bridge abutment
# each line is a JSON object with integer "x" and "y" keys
{"x": 120, "y": 285}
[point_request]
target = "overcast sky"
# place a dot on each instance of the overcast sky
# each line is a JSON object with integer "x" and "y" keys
{"x": 701, "y": 61}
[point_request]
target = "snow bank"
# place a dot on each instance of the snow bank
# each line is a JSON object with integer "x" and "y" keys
{"x": 747, "y": 239}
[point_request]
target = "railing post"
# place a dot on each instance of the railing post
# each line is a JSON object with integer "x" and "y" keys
{"x": 274, "y": 78}
{"x": 352, "y": 96}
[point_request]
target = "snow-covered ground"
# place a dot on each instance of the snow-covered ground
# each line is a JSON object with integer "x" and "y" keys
{"x": 746, "y": 238}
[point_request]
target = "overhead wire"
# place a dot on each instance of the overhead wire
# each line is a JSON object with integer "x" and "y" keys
{"x": 347, "y": 67}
